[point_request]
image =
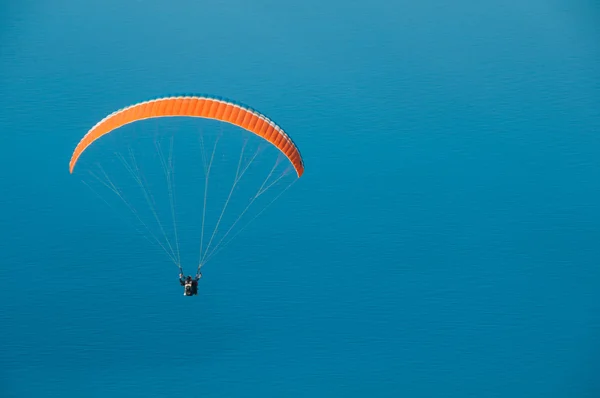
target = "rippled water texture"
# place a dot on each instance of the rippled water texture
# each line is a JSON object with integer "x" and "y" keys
{"x": 443, "y": 241}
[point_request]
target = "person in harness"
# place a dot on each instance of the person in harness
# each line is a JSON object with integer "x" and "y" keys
{"x": 190, "y": 286}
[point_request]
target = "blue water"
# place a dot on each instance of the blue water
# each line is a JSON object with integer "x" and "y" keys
{"x": 443, "y": 241}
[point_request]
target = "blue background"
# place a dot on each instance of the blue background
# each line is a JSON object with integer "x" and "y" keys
{"x": 443, "y": 241}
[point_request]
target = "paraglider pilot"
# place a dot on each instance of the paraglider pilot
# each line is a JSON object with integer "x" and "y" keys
{"x": 190, "y": 286}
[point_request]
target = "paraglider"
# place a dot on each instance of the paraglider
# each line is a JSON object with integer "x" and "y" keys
{"x": 195, "y": 106}
{"x": 190, "y": 286}
{"x": 201, "y": 107}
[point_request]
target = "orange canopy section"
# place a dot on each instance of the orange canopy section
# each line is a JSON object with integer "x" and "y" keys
{"x": 195, "y": 106}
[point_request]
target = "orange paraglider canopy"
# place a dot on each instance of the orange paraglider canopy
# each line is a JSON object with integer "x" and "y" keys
{"x": 195, "y": 106}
